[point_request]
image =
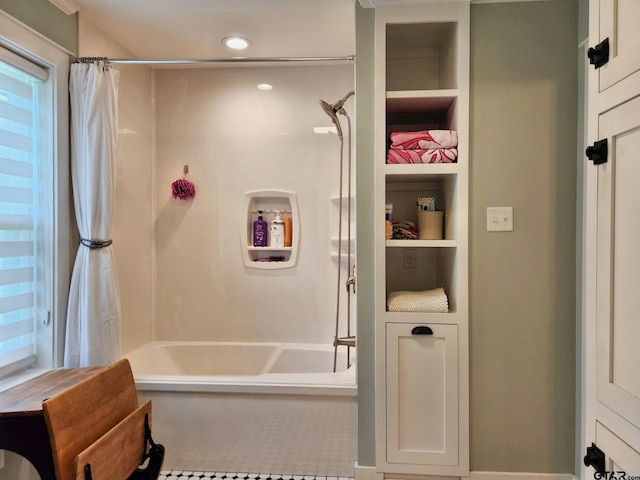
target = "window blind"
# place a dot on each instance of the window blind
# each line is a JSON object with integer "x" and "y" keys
{"x": 18, "y": 215}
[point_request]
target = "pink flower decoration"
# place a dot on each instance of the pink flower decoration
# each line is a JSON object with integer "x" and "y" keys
{"x": 183, "y": 189}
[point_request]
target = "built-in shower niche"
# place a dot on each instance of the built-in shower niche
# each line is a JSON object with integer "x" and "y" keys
{"x": 270, "y": 201}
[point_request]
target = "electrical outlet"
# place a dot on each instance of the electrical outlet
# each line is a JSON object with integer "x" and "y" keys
{"x": 409, "y": 258}
{"x": 499, "y": 219}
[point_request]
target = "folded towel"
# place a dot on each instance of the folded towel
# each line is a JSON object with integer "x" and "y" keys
{"x": 404, "y": 231}
{"x": 424, "y": 139}
{"x": 435, "y": 155}
{"x": 430, "y": 301}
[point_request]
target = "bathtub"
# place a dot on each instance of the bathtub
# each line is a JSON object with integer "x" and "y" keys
{"x": 249, "y": 407}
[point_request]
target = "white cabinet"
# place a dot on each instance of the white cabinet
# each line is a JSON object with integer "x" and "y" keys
{"x": 422, "y": 394}
{"x": 619, "y": 40}
{"x": 422, "y": 381}
{"x": 612, "y": 233}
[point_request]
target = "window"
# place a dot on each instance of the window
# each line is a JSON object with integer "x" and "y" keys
{"x": 25, "y": 213}
{"x": 34, "y": 199}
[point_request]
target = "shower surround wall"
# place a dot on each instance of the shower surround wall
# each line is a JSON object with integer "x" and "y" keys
{"x": 237, "y": 138}
{"x": 179, "y": 263}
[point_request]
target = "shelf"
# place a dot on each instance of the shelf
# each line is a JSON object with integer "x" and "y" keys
{"x": 421, "y": 243}
{"x": 449, "y": 318}
{"x": 269, "y": 249}
{"x": 413, "y": 110}
{"x": 269, "y": 201}
{"x": 412, "y": 101}
{"x": 414, "y": 172}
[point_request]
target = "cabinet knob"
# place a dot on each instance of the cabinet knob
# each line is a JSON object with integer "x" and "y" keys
{"x": 598, "y": 152}
{"x": 599, "y": 55}
{"x": 421, "y": 330}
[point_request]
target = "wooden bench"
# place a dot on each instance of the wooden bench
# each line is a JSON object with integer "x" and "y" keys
{"x": 98, "y": 431}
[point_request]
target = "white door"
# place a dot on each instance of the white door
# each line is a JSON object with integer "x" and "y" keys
{"x": 612, "y": 240}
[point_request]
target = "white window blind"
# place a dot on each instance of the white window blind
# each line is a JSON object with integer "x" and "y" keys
{"x": 19, "y": 216}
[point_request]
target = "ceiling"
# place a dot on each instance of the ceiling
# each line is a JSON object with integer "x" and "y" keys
{"x": 195, "y": 28}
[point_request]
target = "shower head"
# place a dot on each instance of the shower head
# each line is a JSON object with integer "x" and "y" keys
{"x": 333, "y": 109}
{"x": 328, "y": 109}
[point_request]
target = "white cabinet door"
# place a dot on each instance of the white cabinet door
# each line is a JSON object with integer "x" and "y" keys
{"x": 612, "y": 236}
{"x": 623, "y": 460}
{"x": 619, "y": 23}
{"x": 422, "y": 394}
{"x": 618, "y": 263}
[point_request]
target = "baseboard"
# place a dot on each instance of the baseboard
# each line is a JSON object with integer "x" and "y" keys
{"x": 520, "y": 476}
{"x": 370, "y": 473}
{"x": 367, "y": 473}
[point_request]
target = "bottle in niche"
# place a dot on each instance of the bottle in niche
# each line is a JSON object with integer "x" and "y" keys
{"x": 260, "y": 231}
{"x": 277, "y": 231}
{"x": 288, "y": 232}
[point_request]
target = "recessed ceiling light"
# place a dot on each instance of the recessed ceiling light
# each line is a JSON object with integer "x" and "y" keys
{"x": 265, "y": 86}
{"x": 237, "y": 43}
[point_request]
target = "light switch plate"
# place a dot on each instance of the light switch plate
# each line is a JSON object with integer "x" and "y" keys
{"x": 499, "y": 219}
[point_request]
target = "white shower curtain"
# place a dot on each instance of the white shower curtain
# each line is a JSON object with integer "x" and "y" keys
{"x": 93, "y": 316}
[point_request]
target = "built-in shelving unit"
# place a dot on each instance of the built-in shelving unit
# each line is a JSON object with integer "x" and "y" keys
{"x": 269, "y": 257}
{"x": 422, "y": 71}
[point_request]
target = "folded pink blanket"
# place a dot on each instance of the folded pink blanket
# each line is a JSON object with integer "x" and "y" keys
{"x": 425, "y": 139}
{"x": 434, "y": 155}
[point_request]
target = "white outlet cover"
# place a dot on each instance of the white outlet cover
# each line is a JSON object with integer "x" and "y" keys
{"x": 499, "y": 219}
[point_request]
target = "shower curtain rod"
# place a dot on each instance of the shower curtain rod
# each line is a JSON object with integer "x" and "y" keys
{"x": 177, "y": 61}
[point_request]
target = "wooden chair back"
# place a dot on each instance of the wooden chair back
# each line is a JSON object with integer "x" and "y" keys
{"x": 81, "y": 415}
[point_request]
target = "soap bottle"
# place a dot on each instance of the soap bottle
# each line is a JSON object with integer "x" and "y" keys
{"x": 288, "y": 231}
{"x": 260, "y": 231}
{"x": 277, "y": 231}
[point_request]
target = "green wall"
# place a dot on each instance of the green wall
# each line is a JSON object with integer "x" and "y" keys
{"x": 47, "y": 19}
{"x": 365, "y": 142}
{"x": 524, "y": 90}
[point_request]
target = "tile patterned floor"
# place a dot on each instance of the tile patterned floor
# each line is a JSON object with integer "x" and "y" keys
{"x": 183, "y": 475}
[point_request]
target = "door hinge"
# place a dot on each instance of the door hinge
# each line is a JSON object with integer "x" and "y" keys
{"x": 595, "y": 458}
{"x": 598, "y": 152}
{"x": 599, "y": 55}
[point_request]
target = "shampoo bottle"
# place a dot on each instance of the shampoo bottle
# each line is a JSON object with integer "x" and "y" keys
{"x": 277, "y": 231}
{"x": 260, "y": 231}
{"x": 288, "y": 232}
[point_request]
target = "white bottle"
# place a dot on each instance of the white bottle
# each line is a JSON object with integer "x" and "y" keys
{"x": 277, "y": 231}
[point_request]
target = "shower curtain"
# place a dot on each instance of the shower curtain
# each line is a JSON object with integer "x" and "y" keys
{"x": 93, "y": 315}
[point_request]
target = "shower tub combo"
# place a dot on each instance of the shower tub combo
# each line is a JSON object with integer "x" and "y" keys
{"x": 249, "y": 407}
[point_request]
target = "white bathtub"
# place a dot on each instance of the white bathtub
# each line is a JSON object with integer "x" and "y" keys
{"x": 250, "y": 408}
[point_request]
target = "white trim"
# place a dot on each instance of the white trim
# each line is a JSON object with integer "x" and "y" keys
{"x": 367, "y": 473}
{"x": 67, "y": 6}
{"x": 367, "y": 3}
{"x": 520, "y": 476}
{"x": 370, "y": 473}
